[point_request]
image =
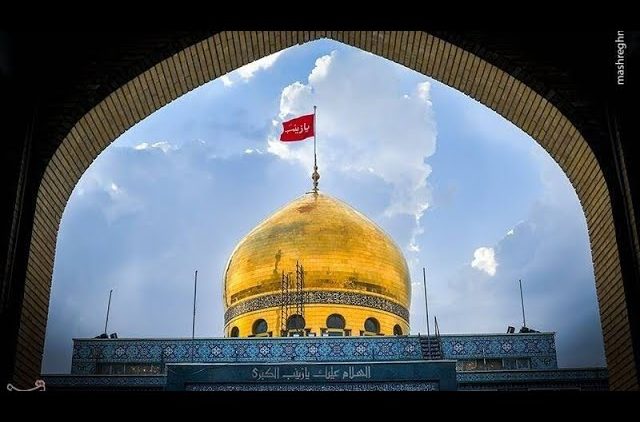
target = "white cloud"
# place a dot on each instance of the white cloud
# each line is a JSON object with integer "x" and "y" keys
{"x": 417, "y": 231}
{"x": 226, "y": 80}
{"x": 484, "y": 259}
{"x": 162, "y": 145}
{"x": 424, "y": 92}
{"x": 246, "y": 72}
{"x": 510, "y": 232}
{"x": 377, "y": 127}
{"x": 321, "y": 69}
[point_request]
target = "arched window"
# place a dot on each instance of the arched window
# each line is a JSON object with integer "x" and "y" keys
{"x": 235, "y": 332}
{"x": 259, "y": 327}
{"x": 336, "y": 321}
{"x": 397, "y": 330}
{"x": 295, "y": 322}
{"x": 371, "y": 325}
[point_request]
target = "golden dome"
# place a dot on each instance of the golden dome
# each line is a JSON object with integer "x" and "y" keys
{"x": 351, "y": 267}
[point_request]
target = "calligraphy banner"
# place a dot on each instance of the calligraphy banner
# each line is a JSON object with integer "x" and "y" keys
{"x": 189, "y": 376}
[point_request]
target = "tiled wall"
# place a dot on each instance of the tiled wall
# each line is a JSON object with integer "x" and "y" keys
{"x": 86, "y": 353}
{"x": 540, "y": 347}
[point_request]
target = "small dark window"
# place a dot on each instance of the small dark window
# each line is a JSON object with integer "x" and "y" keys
{"x": 372, "y": 325}
{"x": 397, "y": 330}
{"x": 235, "y": 332}
{"x": 103, "y": 368}
{"x": 295, "y": 322}
{"x": 142, "y": 369}
{"x": 336, "y": 321}
{"x": 259, "y": 327}
{"x": 509, "y": 363}
{"x": 117, "y": 369}
{"x": 489, "y": 364}
{"x": 469, "y": 365}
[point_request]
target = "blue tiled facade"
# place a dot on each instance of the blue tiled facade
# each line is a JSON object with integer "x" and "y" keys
{"x": 537, "y": 350}
{"x": 520, "y": 376}
{"x": 372, "y": 386}
{"x": 147, "y": 382}
{"x": 540, "y": 348}
{"x": 87, "y": 353}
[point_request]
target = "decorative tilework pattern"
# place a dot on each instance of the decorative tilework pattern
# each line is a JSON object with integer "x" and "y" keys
{"x": 365, "y": 386}
{"x": 319, "y": 296}
{"x": 86, "y": 353}
{"x": 545, "y": 375}
{"x": 158, "y": 381}
{"x": 540, "y": 347}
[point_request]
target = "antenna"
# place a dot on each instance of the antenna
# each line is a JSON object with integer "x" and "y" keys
{"x": 193, "y": 324}
{"x": 108, "y": 309}
{"x": 524, "y": 321}
{"x": 426, "y": 302}
{"x": 195, "y": 290}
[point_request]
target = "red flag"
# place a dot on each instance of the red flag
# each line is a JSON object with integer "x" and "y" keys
{"x": 297, "y": 129}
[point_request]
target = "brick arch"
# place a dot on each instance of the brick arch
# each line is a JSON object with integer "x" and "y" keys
{"x": 422, "y": 52}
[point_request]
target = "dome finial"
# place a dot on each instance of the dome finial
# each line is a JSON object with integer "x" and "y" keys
{"x": 315, "y": 176}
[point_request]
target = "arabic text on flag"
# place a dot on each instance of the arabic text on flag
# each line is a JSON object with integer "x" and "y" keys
{"x": 298, "y": 129}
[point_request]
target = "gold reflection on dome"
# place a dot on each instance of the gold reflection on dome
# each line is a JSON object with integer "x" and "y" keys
{"x": 350, "y": 265}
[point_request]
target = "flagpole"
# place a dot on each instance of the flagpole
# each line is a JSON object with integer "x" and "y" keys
{"x": 315, "y": 176}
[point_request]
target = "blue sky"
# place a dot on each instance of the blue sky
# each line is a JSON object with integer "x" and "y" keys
{"x": 460, "y": 189}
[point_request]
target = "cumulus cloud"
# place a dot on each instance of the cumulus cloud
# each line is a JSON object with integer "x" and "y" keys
{"x": 389, "y": 134}
{"x": 248, "y": 71}
{"x": 226, "y": 80}
{"x": 162, "y": 146}
{"x": 484, "y": 259}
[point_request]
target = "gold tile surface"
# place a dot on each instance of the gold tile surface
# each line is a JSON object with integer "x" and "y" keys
{"x": 339, "y": 248}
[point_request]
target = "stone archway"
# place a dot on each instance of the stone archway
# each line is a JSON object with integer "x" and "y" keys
{"x": 432, "y": 56}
